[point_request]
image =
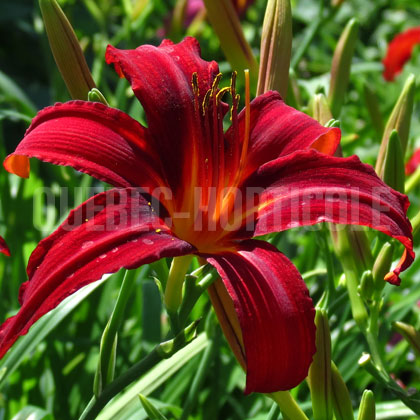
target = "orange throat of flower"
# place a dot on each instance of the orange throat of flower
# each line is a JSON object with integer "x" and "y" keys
{"x": 211, "y": 207}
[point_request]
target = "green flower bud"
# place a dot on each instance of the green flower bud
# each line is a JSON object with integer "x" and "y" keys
{"x": 393, "y": 169}
{"x": 372, "y": 105}
{"x": 66, "y": 50}
{"x": 95, "y": 95}
{"x": 340, "y": 68}
{"x": 276, "y": 47}
{"x": 382, "y": 266}
{"x": 366, "y": 288}
{"x": 226, "y": 24}
{"x": 319, "y": 376}
{"x": 343, "y": 409}
{"x": 320, "y": 109}
{"x": 409, "y": 333}
{"x": 367, "y": 406}
{"x": 399, "y": 120}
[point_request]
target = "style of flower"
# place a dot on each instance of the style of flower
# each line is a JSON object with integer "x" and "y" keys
{"x": 413, "y": 163}
{"x": 399, "y": 52}
{"x": 4, "y": 249}
{"x": 272, "y": 170}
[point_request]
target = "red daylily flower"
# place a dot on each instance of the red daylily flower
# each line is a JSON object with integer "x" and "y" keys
{"x": 272, "y": 170}
{"x": 4, "y": 249}
{"x": 413, "y": 163}
{"x": 399, "y": 51}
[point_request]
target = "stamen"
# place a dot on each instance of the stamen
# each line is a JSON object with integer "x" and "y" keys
{"x": 247, "y": 122}
{"x": 230, "y": 197}
{"x": 194, "y": 84}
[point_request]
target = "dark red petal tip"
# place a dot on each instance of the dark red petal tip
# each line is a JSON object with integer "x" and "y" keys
{"x": 308, "y": 187}
{"x": 275, "y": 313}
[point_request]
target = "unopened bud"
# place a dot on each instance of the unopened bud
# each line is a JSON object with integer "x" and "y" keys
{"x": 393, "y": 169}
{"x": 367, "y": 406}
{"x": 372, "y": 105}
{"x": 95, "y": 95}
{"x": 409, "y": 333}
{"x": 343, "y": 409}
{"x": 276, "y": 47}
{"x": 225, "y": 22}
{"x": 366, "y": 288}
{"x": 382, "y": 265}
{"x": 340, "y": 68}
{"x": 399, "y": 120}
{"x": 320, "y": 109}
{"x": 319, "y": 376}
{"x": 66, "y": 50}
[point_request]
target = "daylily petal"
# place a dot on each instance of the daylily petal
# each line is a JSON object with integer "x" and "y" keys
{"x": 399, "y": 51}
{"x": 162, "y": 79}
{"x": 4, "y": 249}
{"x": 278, "y": 129}
{"x": 308, "y": 187}
{"x": 413, "y": 163}
{"x": 275, "y": 314}
{"x": 92, "y": 138}
{"x": 114, "y": 229}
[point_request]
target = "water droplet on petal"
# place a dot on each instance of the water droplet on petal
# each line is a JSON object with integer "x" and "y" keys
{"x": 87, "y": 244}
{"x": 148, "y": 242}
{"x": 102, "y": 256}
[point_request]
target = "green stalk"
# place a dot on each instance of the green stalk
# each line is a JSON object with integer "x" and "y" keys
{"x": 413, "y": 180}
{"x": 105, "y": 371}
{"x": 288, "y": 405}
{"x": 205, "y": 362}
{"x": 173, "y": 290}
{"x": 162, "y": 351}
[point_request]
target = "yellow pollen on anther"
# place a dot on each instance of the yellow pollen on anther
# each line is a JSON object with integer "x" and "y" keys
{"x": 158, "y": 230}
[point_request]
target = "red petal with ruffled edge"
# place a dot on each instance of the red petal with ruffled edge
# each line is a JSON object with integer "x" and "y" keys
{"x": 4, "y": 249}
{"x": 399, "y": 51}
{"x": 413, "y": 163}
{"x": 92, "y": 138}
{"x": 111, "y": 230}
{"x": 278, "y": 129}
{"x": 275, "y": 313}
{"x": 308, "y": 187}
{"x": 161, "y": 78}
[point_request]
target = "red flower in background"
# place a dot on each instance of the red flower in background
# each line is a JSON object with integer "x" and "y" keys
{"x": 413, "y": 163}
{"x": 270, "y": 148}
{"x": 4, "y": 249}
{"x": 399, "y": 51}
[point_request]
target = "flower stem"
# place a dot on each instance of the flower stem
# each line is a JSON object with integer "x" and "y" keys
{"x": 413, "y": 180}
{"x": 162, "y": 351}
{"x": 105, "y": 370}
{"x": 288, "y": 405}
{"x": 173, "y": 291}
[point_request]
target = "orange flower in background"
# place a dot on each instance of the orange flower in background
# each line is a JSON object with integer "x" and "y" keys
{"x": 399, "y": 52}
